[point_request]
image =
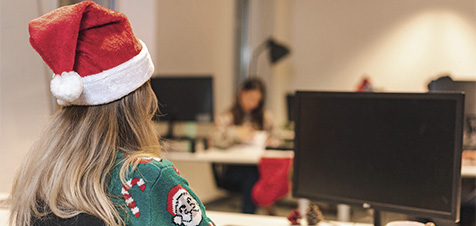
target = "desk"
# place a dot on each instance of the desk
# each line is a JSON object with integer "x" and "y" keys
{"x": 468, "y": 169}
{"x": 250, "y": 155}
{"x": 231, "y": 219}
{"x": 4, "y": 214}
{"x": 243, "y": 154}
{"x": 239, "y": 219}
{"x": 234, "y": 155}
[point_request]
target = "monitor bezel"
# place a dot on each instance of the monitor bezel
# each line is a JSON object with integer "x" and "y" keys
{"x": 456, "y": 185}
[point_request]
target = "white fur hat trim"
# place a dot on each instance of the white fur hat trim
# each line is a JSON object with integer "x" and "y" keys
{"x": 114, "y": 83}
{"x": 67, "y": 87}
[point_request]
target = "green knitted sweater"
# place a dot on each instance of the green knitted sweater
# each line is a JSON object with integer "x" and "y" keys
{"x": 155, "y": 194}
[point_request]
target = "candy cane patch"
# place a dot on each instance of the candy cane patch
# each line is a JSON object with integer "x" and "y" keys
{"x": 146, "y": 160}
{"x": 149, "y": 159}
{"x": 128, "y": 198}
{"x": 176, "y": 170}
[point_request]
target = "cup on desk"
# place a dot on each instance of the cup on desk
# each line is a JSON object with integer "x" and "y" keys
{"x": 259, "y": 139}
{"x": 405, "y": 223}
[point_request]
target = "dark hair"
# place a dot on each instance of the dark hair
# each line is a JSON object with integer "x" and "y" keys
{"x": 257, "y": 114}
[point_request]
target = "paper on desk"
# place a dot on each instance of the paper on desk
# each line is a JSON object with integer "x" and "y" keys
{"x": 259, "y": 140}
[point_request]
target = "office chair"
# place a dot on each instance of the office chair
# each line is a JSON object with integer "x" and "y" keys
{"x": 219, "y": 174}
{"x": 81, "y": 219}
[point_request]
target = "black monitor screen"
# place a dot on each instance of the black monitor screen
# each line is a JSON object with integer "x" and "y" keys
{"x": 389, "y": 151}
{"x": 184, "y": 98}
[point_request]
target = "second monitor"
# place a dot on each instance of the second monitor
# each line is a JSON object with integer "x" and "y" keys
{"x": 183, "y": 99}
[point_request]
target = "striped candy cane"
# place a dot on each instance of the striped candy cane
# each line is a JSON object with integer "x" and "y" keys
{"x": 128, "y": 198}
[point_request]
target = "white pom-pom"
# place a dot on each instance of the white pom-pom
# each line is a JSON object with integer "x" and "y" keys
{"x": 67, "y": 87}
{"x": 177, "y": 219}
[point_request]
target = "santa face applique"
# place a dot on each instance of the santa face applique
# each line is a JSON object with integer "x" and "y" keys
{"x": 183, "y": 207}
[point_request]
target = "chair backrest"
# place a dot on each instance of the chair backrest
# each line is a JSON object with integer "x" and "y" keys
{"x": 78, "y": 220}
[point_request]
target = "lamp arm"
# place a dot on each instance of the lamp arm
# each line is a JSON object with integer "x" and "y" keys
{"x": 254, "y": 58}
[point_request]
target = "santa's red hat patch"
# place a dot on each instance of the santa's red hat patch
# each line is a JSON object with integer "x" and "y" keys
{"x": 93, "y": 53}
{"x": 183, "y": 208}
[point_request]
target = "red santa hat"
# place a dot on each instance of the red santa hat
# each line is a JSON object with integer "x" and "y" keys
{"x": 95, "y": 57}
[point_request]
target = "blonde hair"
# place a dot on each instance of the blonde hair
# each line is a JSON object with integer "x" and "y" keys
{"x": 67, "y": 171}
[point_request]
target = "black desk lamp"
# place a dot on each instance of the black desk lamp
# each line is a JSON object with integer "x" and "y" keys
{"x": 276, "y": 52}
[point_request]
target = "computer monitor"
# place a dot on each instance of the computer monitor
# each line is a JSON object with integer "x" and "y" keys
{"x": 396, "y": 152}
{"x": 468, "y": 87}
{"x": 290, "y": 107}
{"x": 183, "y": 99}
{"x": 446, "y": 84}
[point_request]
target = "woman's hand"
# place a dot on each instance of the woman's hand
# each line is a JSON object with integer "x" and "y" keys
{"x": 245, "y": 133}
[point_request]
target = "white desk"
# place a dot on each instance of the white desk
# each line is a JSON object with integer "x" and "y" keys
{"x": 236, "y": 155}
{"x": 4, "y": 213}
{"x": 231, "y": 219}
{"x": 239, "y": 219}
{"x": 468, "y": 169}
{"x": 232, "y": 155}
{"x": 251, "y": 155}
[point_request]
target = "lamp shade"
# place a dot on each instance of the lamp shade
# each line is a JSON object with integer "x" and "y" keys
{"x": 276, "y": 51}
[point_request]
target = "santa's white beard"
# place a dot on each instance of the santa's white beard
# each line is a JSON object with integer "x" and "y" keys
{"x": 192, "y": 219}
{"x": 187, "y": 217}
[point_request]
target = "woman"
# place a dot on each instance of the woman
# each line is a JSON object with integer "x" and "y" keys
{"x": 238, "y": 125}
{"x": 98, "y": 156}
{"x": 247, "y": 115}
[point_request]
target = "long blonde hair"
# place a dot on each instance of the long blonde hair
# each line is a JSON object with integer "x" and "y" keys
{"x": 66, "y": 171}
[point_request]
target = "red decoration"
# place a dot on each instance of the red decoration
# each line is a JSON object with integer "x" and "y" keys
{"x": 273, "y": 182}
{"x": 294, "y": 216}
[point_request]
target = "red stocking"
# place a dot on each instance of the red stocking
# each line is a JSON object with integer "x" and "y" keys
{"x": 273, "y": 182}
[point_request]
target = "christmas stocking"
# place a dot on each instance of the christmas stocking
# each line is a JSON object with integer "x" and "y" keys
{"x": 273, "y": 182}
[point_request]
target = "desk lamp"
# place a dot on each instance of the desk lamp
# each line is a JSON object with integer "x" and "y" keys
{"x": 276, "y": 52}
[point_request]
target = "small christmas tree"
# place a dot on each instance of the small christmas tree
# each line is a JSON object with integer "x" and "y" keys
{"x": 314, "y": 215}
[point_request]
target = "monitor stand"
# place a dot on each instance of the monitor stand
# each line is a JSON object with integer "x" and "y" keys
{"x": 170, "y": 130}
{"x": 377, "y": 218}
{"x": 193, "y": 140}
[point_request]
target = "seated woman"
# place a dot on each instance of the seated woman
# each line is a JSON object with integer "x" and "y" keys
{"x": 238, "y": 125}
{"x": 98, "y": 162}
{"x": 247, "y": 115}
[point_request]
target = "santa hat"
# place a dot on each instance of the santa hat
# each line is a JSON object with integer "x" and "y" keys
{"x": 172, "y": 198}
{"x": 95, "y": 57}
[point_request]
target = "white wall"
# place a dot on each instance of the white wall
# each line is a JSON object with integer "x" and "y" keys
{"x": 196, "y": 37}
{"x": 261, "y": 20}
{"x": 281, "y": 72}
{"x": 400, "y": 44}
{"x": 143, "y": 18}
{"x": 24, "y": 84}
